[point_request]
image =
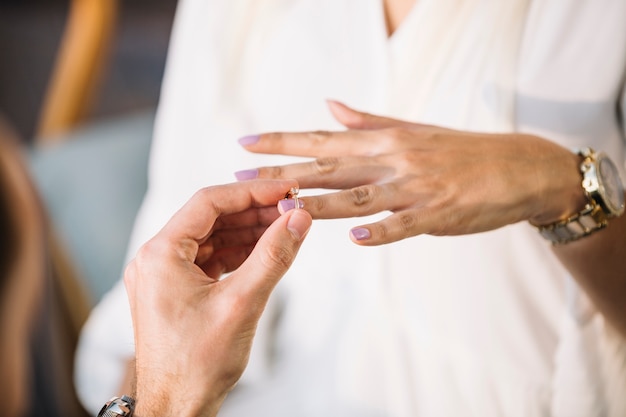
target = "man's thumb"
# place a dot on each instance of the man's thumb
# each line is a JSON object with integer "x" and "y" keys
{"x": 272, "y": 256}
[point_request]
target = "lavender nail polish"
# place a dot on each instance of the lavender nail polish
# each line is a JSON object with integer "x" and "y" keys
{"x": 289, "y": 204}
{"x": 360, "y": 233}
{"x": 247, "y": 174}
{"x": 249, "y": 140}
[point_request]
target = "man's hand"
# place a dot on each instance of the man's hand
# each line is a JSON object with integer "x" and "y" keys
{"x": 193, "y": 331}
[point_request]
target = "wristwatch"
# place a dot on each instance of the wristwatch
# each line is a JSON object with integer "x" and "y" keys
{"x": 118, "y": 406}
{"x": 605, "y": 194}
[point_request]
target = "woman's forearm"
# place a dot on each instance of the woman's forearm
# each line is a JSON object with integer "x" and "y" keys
{"x": 598, "y": 263}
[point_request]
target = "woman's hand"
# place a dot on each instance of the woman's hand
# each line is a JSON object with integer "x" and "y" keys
{"x": 435, "y": 181}
{"x": 193, "y": 331}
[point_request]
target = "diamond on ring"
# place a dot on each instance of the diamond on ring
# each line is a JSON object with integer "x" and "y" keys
{"x": 293, "y": 193}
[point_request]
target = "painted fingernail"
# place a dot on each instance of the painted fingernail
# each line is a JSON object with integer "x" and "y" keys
{"x": 247, "y": 174}
{"x": 299, "y": 224}
{"x": 249, "y": 140}
{"x": 289, "y": 204}
{"x": 360, "y": 233}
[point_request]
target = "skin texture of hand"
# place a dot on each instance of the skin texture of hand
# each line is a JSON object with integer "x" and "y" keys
{"x": 444, "y": 182}
{"x": 193, "y": 331}
{"x": 434, "y": 181}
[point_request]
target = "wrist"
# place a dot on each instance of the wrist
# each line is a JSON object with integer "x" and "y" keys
{"x": 176, "y": 402}
{"x": 175, "y": 387}
{"x": 601, "y": 186}
{"x": 147, "y": 409}
{"x": 562, "y": 195}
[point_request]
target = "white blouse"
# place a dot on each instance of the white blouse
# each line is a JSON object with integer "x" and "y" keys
{"x": 484, "y": 325}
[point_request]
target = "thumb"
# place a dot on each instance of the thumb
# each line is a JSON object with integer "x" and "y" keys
{"x": 354, "y": 119}
{"x": 272, "y": 256}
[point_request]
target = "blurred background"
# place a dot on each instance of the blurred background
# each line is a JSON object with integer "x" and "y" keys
{"x": 79, "y": 85}
{"x": 30, "y": 34}
{"x": 105, "y": 137}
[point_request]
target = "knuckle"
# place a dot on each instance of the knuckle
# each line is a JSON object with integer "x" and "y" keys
{"x": 272, "y": 172}
{"x": 275, "y": 141}
{"x": 130, "y": 274}
{"x": 407, "y": 224}
{"x": 204, "y": 193}
{"x": 150, "y": 251}
{"x": 144, "y": 260}
{"x": 274, "y": 137}
{"x": 278, "y": 258}
{"x": 319, "y": 136}
{"x": 317, "y": 140}
{"x": 394, "y": 136}
{"x": 363, "y": 195}
{"x": 319, "y": 205}
{"x": 326, "y": 165}
{"x": 409, "y": 159}
{"x": 381, "y": 232}
{"x": 395, "y": 139}
{"x": 411, "y": 156}
{"x": 157, "y": 251}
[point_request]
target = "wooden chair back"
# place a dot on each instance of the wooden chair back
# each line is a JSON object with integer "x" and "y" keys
{"x": 75, "y": 78}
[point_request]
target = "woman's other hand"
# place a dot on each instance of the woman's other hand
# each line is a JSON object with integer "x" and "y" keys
{"x": 434, "y": 180}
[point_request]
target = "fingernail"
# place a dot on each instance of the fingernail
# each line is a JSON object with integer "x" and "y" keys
{"x": 299, "y": 224}
{"x": 289, "y": 204}
{"x": 360, "y": 233}
{"x": 247, "y": 174}
{"x": 249, "y": 140}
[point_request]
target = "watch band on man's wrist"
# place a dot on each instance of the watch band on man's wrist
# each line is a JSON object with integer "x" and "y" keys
{"x": 603, "y": 188}
{"x": 123, "y": 406}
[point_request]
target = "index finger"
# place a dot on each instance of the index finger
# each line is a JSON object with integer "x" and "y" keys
{"x": 195, "y": 220}
{"x": 314, "y": 144}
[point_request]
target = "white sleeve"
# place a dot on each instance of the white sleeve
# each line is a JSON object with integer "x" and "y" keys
{"x": 105, "y": 346}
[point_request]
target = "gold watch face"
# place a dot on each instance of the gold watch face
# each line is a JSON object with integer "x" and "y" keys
{"x": 611, "y": 186}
